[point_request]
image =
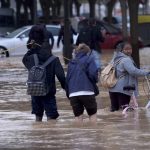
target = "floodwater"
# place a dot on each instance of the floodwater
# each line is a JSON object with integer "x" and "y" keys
{"x": 18, "y": 130}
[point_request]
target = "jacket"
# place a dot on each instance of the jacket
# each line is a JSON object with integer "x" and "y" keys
{"x": 127, "y": 74}
{"x": 81, "y": 74}
{"x": 97, "y": 38}
{"x": 54, "y": 68}
{"x": 92, "y": 36}
{"x": 61, "y": 35}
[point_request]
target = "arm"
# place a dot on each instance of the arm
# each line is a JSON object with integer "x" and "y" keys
{"x": 60, "y": 73}
{"x": 92, "y": 70}
{"x": 131, "y": 69}
{"x": 28, "y": 59}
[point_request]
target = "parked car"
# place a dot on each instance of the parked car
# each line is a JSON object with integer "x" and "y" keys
{"x": 115, "y": 21}
{"x": 15, "y": 42}
{"x": 113, "y": 35}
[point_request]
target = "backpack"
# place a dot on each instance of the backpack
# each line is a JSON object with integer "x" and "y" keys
{"x": 108, "y": 77}
{"x": 37, "y": 81}
{"x": 85, "y": 36}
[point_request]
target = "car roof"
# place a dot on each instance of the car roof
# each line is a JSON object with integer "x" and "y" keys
{"x": 48, "y": 25}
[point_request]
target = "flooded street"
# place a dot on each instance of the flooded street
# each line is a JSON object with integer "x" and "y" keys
{"x": 112, "y": 132}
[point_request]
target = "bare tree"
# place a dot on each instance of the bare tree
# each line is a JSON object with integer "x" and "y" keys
{"x": 110, "y": 5}
{"x": 92, "y": 8}
{"x": 5, "y": 3}
{"x": 28, "y": 7}
{"x": 45, "y": 5}
{"x": 53, "y": 6}
{"x": 133, "y": 12}
{"x": 19, "y": 3}
{"x": 77, "y": 6}
{"x": 58, "y": 6}
{"x": 123, "y": 5}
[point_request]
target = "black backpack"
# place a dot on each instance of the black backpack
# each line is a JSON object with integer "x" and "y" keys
{"x": 37, "y": 84}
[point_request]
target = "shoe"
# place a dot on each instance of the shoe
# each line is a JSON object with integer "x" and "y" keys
{"x": 130, "y": 109}
{"x": 38, "y": 119}
{"x": 124, "y": 106}
{"x": 52, "y": 117}
{"x": 113, "y": 109}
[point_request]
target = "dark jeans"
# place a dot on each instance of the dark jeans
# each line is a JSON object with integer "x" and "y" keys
{"x": 118, "y": 100}
{"x": 45, "y": 103}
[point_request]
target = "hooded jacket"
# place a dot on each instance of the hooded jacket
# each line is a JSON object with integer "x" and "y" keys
{"x": 54, "y": 68}
{"x": 82, "y": 73}
{"x": 43, "y": 53}
{"x": 127, "y": 74}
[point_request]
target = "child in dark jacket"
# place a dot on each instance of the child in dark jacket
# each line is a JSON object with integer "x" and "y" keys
{"x": 41, "y": 47}
{"x": 82, "y": 76}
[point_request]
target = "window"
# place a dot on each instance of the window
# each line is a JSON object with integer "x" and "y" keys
{"x": 26, "y": 34}
{"x": 16, "y": 32}
{"x": 111, "y": 29}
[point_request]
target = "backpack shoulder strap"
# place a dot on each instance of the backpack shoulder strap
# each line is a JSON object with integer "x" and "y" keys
{"x": 36, "y": 60}
{"x": 117, "y": 62}
{"x": 50, "y": 59}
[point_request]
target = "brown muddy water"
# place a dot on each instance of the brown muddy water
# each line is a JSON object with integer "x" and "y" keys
{"x": 113, "y": 131}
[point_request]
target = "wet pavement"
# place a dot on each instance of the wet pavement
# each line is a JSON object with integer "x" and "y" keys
{"x": 112, "y": 132}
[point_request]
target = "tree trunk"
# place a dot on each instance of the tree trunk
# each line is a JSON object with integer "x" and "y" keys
{"x": 110, "y": 6}
{"x": 5, "y": 3}
{"x": 77, "y": 4}
{"x": 92, "y": 8}
{"x": 67, "y": 45}
{"x": 58, "y": 7}
{"x": 25, "y": 6}
{"x": 71, "y": 7}
{"x": 124, "y": 19}
{"x": 54, "y": 5}
{"x": 45, "y": 5}
{"x": 18, "y": 14}
{"x": 133, "y": 11}
{"x": 34, "y": 12}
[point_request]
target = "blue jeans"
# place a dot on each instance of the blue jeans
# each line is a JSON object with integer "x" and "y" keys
{"x": 44, "y": 103}
{"x": 97, "y": 57}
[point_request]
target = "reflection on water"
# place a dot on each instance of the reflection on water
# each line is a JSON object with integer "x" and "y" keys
{"x": 19, "y": 131}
